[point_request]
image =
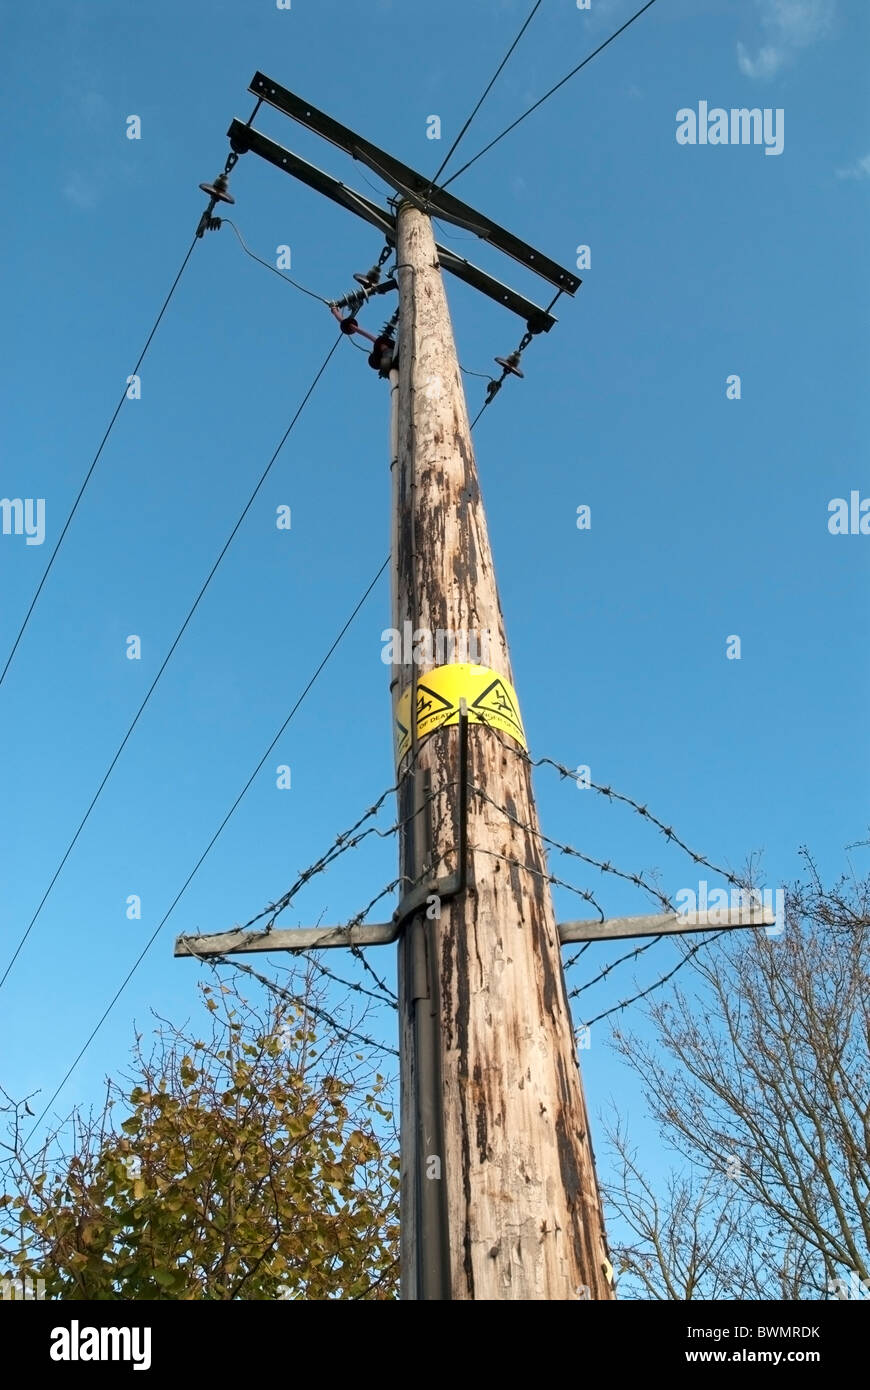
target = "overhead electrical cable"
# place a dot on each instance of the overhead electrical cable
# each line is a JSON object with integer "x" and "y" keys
{"x": 94, "y": 462}
{"x": 494, "y": 79}
{"x": 183, "y": 889}
{"x": 288, "y": 280}
{"x": 143, "y": 953}
{"x": 181, "y": 631}
{"x": 547, "y": 95}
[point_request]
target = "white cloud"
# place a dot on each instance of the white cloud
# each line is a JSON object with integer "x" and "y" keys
{"x": 79, "y": 192}
{"x": 798, "y": 22}
{"x": 766, "y": 62}
{"x": 859, "y": 170}
{"x": 790, "y": 25}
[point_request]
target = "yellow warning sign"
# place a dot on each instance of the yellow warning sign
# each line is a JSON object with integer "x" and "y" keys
{"x": 491, "y": 699}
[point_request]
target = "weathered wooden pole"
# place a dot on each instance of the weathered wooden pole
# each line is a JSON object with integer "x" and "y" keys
{"x": 496, "y": 1143}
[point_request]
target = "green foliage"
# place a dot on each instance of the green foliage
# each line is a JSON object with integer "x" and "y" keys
{"x": 258, "y": 1164}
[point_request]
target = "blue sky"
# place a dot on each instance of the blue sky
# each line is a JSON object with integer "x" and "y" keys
{"x": 709, "y": 515}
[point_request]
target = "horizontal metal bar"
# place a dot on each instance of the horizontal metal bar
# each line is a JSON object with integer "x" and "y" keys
{"x": 244, "y": 137}
{"x": 294, "y": 939}
{"x": 407, "y": 181}
{"x": 617, "y": 928}
{"x": 383, "y": 933}
{"x": 538, "y": 320}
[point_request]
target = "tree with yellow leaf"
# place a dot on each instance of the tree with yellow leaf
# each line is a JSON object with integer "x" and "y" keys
{"x": 257, "y": 1162}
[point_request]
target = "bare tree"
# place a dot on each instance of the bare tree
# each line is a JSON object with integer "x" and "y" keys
{"x": 759, "y": 1078}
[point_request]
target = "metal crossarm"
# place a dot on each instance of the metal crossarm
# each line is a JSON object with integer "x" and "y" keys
{"x": 383, "y": 933}
{"x": 409, "y": 184}
{"x": 244, "y": 138}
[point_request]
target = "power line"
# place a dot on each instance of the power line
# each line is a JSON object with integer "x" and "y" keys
{"x": 161, "y": 924}
{"x": 288, "y": 280}
{"x": 83, "y": 822}
{"x": 93, "y": 465}
{"x": 548, "y": 94}
{"x": 226, "y": 819}
{"x": 492, "y": 83}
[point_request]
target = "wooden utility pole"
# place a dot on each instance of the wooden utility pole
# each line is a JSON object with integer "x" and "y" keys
{"x": 515, "y": 1173}
{"x": 499, "y": 1194}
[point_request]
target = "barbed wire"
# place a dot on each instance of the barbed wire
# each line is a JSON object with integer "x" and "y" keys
{"x": 602, "y": 974}
{"x": 663, "y": 980}
{"x": 346, "y": 840}
{"x": 607, "y": 867}
{"x": 510, "y": 745}
{"x": 215, "y": 961}
{"x": 566, "y": 965}
{"x": 322, "y": 1014}
{"x": 602, "y": 864}
{"x": 642, "y": 810}
{"x": 584, "y": 893}
{"x": 350, "y": 984}
{"x": 359, "y": 954}
{"x": 350, "y": 838}
{"x": 386, "y": 996}
{"x": 357, "y": 950}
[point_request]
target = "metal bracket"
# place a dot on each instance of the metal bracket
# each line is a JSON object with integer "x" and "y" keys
{"x": 455, "y": 883}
